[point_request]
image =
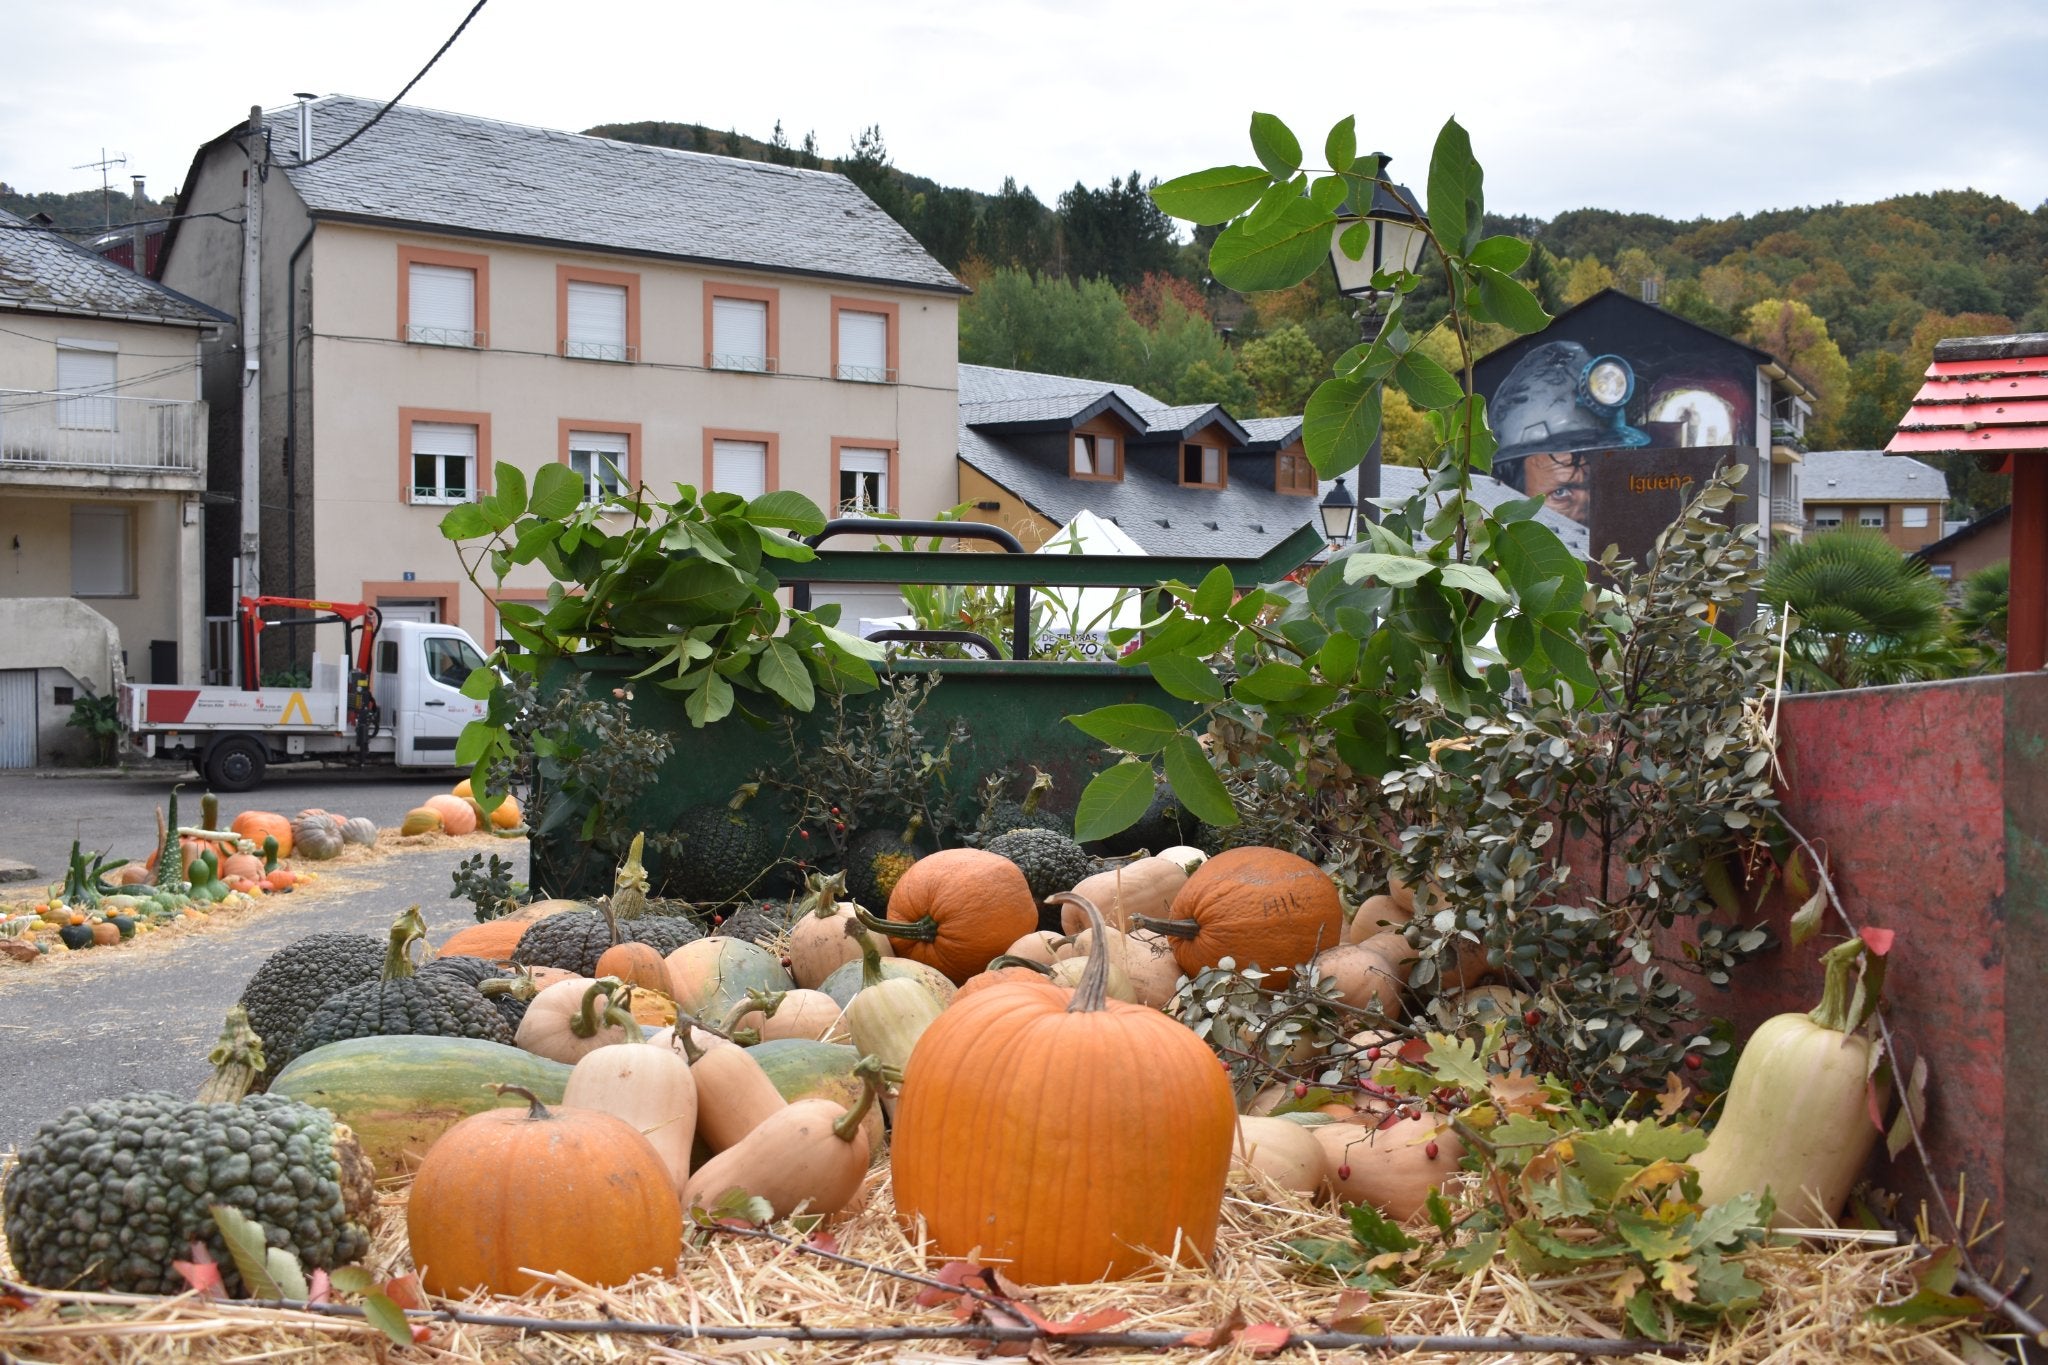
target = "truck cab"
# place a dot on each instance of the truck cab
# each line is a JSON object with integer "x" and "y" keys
{"x": 420, "y": 669}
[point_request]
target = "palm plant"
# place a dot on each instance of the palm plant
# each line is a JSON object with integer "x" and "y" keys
{"x": 1862, "y": 613}
{"x": 1980, "y": 612}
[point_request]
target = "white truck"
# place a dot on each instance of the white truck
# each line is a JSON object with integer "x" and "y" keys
{"x": 395, "y": 698}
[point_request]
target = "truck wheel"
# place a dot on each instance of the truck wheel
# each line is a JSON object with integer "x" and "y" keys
{"x": 235, "y": 764}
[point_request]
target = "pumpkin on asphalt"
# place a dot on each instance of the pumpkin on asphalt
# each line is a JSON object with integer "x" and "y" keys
{"x": 457, "y": 815}
{"x": 316, "y": 836}
{"x": 1261, "y": 906}
{"x": 1050, "y": 1161}
{"x": 257, "y": 825}
{"x": 420, "y": 820}
{"x": 506, "y": 1193}
{"x": 958, "y": 908}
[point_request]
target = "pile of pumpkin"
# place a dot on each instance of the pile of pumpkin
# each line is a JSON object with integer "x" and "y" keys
{"x": 456, "y": 813}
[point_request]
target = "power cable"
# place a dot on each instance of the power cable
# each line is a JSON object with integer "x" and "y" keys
{"x": 378, "y": 116}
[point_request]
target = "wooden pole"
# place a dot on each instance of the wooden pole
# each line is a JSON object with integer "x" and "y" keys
{"x": 2026, "y": 644}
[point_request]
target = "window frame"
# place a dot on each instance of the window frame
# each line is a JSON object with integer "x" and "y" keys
{"x": 772, "y": 475}
{"x": 446, "y": 591}
{"x": 1864, "y": 522}
{"x": 893, "y": 492}
{"x": 1095, "y": 436}
{"x": 1297, "y": 457}
{"x": 480, "y": 420}
{"x": 565, "y": 275}
{"x": 88, "y": 409}
{"x": 715, "y": 290}
{"x": 566, "y": 426}
{"x": 1906, "y": 514}
{"x": 130, "y": 579}
{"x": 1814, "y": 516}
{"x": 475, "y": 262}
{"x": 1205, "y": 448}
{"x": 892, "y": 315}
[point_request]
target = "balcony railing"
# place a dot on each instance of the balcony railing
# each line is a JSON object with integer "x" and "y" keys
{"x": 1786, "y": 511}
{"x": 41, "y": 429}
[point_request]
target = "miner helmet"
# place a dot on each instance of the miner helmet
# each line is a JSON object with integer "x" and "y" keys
{"x": 1561, "y": 398}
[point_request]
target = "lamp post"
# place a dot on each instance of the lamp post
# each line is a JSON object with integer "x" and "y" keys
{"x": 1388, "y": 237}
{"x": 1340, "y": 514}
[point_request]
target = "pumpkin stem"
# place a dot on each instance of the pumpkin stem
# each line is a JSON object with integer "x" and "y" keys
{"x": 870, "y": 959}
{"x": 1846, "y": 999}
{"x": 765, "y": 1002}
{"x": 869, "y": 1069}
{"x": 924, "y": 929}
{"x": 237, "y": 1061}
{"x": 623, "y": 1020}
{"x": 1171, "y": 928}
{"x": 589, "y": 1018}
{"x": 1041, "y": 783}
{"x": 408, "y": 929}
{"x": 1091, "y": 992}
{"x": 629, "y": 887}
{"x": 746, "y": 792}
{"x": 822, "y": 894}
{"x": 996, "y": 964}
{"x": 536, "y": 1109}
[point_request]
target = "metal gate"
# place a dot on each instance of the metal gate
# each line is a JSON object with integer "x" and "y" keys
{"x": 17, "y": 718}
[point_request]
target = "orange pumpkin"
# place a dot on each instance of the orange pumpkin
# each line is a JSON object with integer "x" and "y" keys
{"x": 457, "y": 815}
{"x": 636, "y": 964}
{"x": 258, "y": 825}
{"x": 493, "y": 940}
{"x": 1015, "y": 973}
{"x": 507, "y": 815}
{"x": 1048, "y": 1162}
{"x": 244, "y": 865}
{"x": 1253, "y": 905}
{"x": 506, "y": 1192}
{"x": 280, "y": 879}
{"x": 957, "y": 909}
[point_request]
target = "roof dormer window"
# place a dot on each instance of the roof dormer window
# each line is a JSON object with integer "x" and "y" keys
{"x": 1292, "y": 473}
{"x": 1096, "y": 455}
{"x": 1202, "y": 466}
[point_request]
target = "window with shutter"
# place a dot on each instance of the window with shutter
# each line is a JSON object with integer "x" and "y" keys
{"x": 603, "y": 459}
{"x": 596, "y": 322}
{"x": 739, "y": 467}
{"x": 739, "y": 335}
{"x": 443, "y": 462}
{"x": 863, "y": 480}
{"x": 441, "y": 305}
{"x": 102, "y": 558}
{"x": 864, "y": 347}
{"x": 1915, "y": 517}
{"x": 1871, "y": 517}
{"x": 90, "y": 370}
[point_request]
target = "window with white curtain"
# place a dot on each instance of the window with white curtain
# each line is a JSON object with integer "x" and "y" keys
{"x": 86, "y": 368}
{"x": 863, "y": 480}
{"x": 864, "y": 347}
{"x": 602, "y": 458}
{"x": 739, "y": 335}
{"x": 441, "y": 305}
{"x": 443, "y": 462}
{"x": 102, "y": 551}
{"x": 596, "y": 322}
{"x": 739, "y": 467}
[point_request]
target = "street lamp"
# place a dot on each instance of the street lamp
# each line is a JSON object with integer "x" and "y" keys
{"x": 1340, "y": 513}
{"x": 1393, "y": 240}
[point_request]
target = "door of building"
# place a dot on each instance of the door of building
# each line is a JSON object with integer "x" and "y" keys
{"x": 17, "y": 718}
{"x": 423, "y": 609}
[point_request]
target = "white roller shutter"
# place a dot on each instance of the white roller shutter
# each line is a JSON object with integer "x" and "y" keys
{"x": 864, "y": 346}
{"x": 863, "y": 479}
{"x": 444, "y": 438}
{"x": 441, "y": 305}
{"x": 602, "y": 458}
{"x": 92, "y": 370}
{"x": 739, "y": 467}
{"x": 443, "y": 462}
{"x": 739, "y": 334}
{"x": 101, "y": 560}
{"x": 597, "y": 321}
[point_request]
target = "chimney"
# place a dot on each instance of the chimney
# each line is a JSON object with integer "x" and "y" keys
{"x": 139, "y": 231}
{"x": 305, "y": 99}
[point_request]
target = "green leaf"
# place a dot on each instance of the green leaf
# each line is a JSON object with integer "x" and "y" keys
{"x": 1185, "y": 678}
{"x": 1340, "y": 424}
{"x": 785, "y": 509}
{"x": 710, "y": 701}
{"x": 1340, "y": 148}
{"x": 689, "y": 591}
{"x": 350, "y": 1279}
{"x": 1644, "y": 1317}
{"x": 1439, "y": 1214}
{"x": 1131, "y": 726}
{"x": 1195, "y": 783}
{"x": 1455, "y": 1061}
{"x": 1728, "y": 1221}
{"x": 247, "y": 1246}
{"x": 557, "y": 491}
{"x": 1806, "y": 921}
{"x": 1475, "y": 1255}
{"x": 1275, "y": 145}
{"x": 782, "y": 672}
{"x": 1427, "y": 384}
{"x": 387, "y": 1317}
{"x": 1643, "y": 1140}
{"x": 1274, "y": 681}
{"x": 1376, "y": 1232}
{"x": 1455, "y": 200}
{"x": 507, "y": 499}
{"x": 1508, "y": 302}
{"x": 480, "y": 683}
{"x": 852, "y": 645}
{"x": 1933, "y": 1301}
{"x": 1474, "y": 579}
{"x": 1338, "y": 659}
{"x": 1327, "y": 193}
{"x": 1216, "y": 195}
{"x": 1213, "y": 598}
{"x": 1394, "y": 571}
{"x": 1114, "y": 800}
{"x": 1501, "y": 253}
{"x": 1280, "y": 254}
{"x": 1530, "y": 552}
{"x": 466, "y": 522}
{"x": 1651, "y": 1239}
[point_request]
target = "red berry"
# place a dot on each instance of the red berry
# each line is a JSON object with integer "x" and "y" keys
{"x": 1693, "y": 1062}
{"x": 1532, "y": 1017}
{"x": 1430, "y": 1150}
{"x": 1372, "y": 1054}
{"x": 803, "y": 834}
{"x": 1344, "y": 1172}
{"x": 1300, "y": 1089}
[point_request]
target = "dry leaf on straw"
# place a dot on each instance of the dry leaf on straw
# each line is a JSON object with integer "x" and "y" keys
{"x": 1674, "y": 1096}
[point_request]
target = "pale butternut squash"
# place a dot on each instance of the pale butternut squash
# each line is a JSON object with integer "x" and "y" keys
{"x": 770, "y": 1015}
{"x": 810, "y": 1156}
{"x": 1363, "y": 977}
{"x": 1043, "y": 946}
{"x": 1392, "y": 1168}
{"x": 566, "y": 1021}
{"x": 734, "y": 1095}
{"x": 887, "y": 1015}
{"x": 1068, "y": 972}
{"x": 818, "y": 945}
{"x": 651, "y": 1088}
{"x": 1375, "y": 915}
{"x": 1282, "y": 1153}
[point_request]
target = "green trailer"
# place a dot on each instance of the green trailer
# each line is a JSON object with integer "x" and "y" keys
{"x": 1013, "y": 707}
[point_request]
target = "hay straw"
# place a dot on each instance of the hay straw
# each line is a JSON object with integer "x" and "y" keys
{"x": 1814, "y": 1306}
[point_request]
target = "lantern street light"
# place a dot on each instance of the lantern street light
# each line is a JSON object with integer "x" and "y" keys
{"x": 1340, "y": 513}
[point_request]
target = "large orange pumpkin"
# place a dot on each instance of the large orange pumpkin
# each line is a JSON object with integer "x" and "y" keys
{"x": 1253, "y": 905}
{"x": 457, "y": 815}
{"x": 507, "y": 1191}
{"x": 636, "y": 964}
{"x": 256, "y": 825}
{"x": 957, "y": 909}
{"x": 1048, "y": 1162}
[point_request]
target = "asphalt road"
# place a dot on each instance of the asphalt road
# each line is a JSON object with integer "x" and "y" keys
{"x": 142, "y": 1017}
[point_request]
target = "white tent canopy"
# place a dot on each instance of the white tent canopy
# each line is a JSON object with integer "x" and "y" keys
{"x": 1090, "y": 610}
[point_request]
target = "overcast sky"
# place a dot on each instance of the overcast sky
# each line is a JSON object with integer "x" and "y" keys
{"x": 1678, "y": 107}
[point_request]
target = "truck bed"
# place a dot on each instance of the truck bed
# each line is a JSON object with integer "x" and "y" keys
{"x": 149, "y": 707}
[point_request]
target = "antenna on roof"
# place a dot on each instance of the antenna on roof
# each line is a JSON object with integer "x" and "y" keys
{"x": 103, "y": 165}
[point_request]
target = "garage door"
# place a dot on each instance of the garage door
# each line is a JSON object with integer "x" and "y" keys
{"x": 17, "y": 718}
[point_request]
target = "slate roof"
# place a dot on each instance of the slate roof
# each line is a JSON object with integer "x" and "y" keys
{"x": 41, "y": 272}
{"x": 992, "y": 384}
{"x": 1270, "y": 433}
{"x": 1868, "y": 476}
{"x": 505, "y": 180}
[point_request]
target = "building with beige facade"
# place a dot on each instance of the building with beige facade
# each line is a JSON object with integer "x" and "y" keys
{"x": 1896, "y": 495}
{"x": 102, "y": 469}
{"x": 444, "y": 293}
